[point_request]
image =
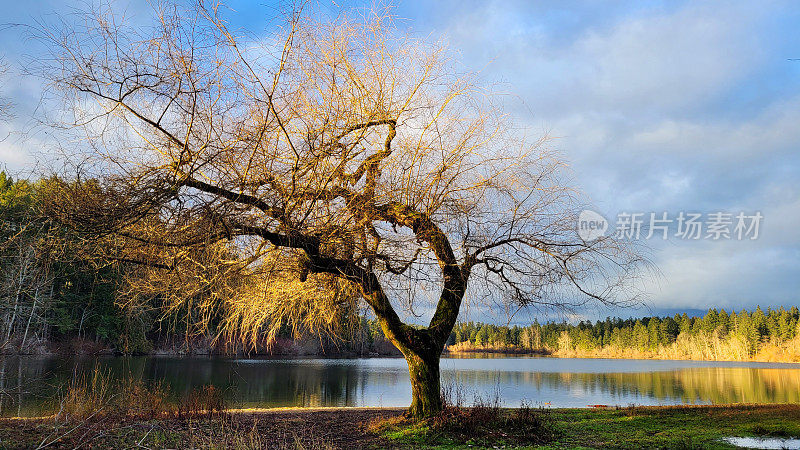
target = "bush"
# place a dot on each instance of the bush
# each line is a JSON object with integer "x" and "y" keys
{"x": 485, "y": 423}
{"x": 85, "y": 397}
{"x": 96, "y": 396}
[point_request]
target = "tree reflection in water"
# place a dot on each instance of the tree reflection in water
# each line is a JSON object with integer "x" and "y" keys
{"x": 28, "y": 384}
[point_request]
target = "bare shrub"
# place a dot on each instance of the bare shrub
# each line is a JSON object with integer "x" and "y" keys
{"x": 203, "y": 401}
{"x": 95, "y": 395}
{"x": 85, "y": 396}
{"x": 488, "y": 422}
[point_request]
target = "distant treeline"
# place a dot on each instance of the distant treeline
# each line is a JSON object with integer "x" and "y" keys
{"x": 773, "y": 335}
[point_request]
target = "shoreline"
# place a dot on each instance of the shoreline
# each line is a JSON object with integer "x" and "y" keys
{"x": 279, "y": 410}
{"x": 679, "y": 426}
{"x": 461, "y": 354}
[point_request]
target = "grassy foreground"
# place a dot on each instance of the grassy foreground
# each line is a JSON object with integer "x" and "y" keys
{"x": 641, "y": 427}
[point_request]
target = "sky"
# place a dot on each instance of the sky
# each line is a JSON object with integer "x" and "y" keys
{"x": 659, "y": 107}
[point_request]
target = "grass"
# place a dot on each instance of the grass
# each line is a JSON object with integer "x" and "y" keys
{"x": 675, "y": 427}
{"x": 309, "y": 429}
{"x": 636, "y": 427}
{"x": 481, "y": 427}
{"x": 96, "y": 395}
{"x": 468, "y": 347}
{"x": 484, "y": 424}
{"x": 471, "y": 427}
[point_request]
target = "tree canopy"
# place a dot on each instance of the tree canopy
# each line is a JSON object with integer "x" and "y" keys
{"x": 329, "y": 165}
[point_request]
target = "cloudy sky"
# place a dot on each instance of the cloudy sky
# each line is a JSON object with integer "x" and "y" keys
{"x": 658, "y": 106}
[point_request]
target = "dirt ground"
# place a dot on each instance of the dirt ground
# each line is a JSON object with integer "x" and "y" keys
{"x": 344, "y": 428}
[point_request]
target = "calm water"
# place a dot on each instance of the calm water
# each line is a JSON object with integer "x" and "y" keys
{"x": 27, "y": 384}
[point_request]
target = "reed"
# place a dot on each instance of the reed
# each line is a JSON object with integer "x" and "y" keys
{"x": 85, "y": 396}
{"x": 95, "y": 395}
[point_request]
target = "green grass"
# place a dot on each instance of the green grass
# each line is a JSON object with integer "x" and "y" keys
{"x": 667, "y": 427}
{"x": 675, "y": 427}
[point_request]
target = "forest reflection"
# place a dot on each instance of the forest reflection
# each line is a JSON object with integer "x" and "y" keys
{"x": 713, "y": 385}
{"x": 28, "y": 386}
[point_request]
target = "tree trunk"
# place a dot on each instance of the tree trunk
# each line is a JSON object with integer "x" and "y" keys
{"x": 422, "y": 348}
{"x": 30, "y": 318}
{"x": 426, "y": 400}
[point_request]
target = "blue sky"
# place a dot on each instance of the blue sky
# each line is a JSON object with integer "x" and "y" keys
{"x": 658, "y": 106}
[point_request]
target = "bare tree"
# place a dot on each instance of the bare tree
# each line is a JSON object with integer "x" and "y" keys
{"x": 27, "y": 255}
{"x": 289, "y": 178}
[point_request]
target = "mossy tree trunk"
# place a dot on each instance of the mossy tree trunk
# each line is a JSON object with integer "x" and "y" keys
{"x": 426, "y": 400}
{"x": 422, "y": 347}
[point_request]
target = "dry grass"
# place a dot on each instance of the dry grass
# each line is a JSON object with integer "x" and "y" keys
{"x": 85, "y": 397}
{"x": 206, "y": 400}
{"x": 95, "y": 395}
{"x": 303, "y": 429}
{"x": 91, "y": 409}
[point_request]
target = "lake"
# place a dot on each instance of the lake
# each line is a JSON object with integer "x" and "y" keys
{"x": 28, "y": 384}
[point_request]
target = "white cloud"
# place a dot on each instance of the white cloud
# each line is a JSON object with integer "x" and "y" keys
{"x": 733, "y": 274}
{"x": 649, "y": 107}
{"x": 13, "y": 157}
{"x": 658, "y": 61}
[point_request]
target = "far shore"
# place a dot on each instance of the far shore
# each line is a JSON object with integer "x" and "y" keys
{"x": 447, "y": 353}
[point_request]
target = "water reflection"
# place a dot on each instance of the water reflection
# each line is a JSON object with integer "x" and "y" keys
{"x": 28, "y": 383}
